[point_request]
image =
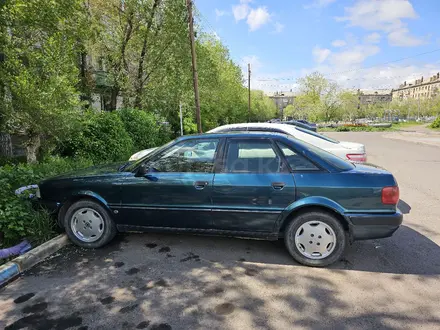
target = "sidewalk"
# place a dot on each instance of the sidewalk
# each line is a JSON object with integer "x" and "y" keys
{"x": 416, "y": 134}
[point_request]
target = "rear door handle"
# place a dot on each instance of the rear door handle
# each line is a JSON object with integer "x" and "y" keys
{"x": 278, "y": 185}
{"x": 200, "y": 185}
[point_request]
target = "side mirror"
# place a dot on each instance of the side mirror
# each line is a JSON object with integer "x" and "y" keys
{"x": 142, "y": 170}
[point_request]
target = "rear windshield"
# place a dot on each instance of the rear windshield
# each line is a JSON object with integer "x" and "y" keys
{"x": 328, "y": 157}
{"x": 307, "y": 131}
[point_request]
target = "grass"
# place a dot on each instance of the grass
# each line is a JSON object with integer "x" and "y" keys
{"x": 356, "y": 129}
{"x": 394, "y": 127}
{"x": 407, "y": 124}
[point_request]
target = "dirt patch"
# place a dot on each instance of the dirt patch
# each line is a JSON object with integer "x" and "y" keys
{"x": 224, "y": 309}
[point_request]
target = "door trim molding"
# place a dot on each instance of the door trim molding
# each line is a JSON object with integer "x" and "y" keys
{"x": 197, "y": 209}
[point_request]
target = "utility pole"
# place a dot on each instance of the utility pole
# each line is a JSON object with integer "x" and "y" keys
{"x": 249, "y": 92}
{"x": 194, "y": 64}
{"x": 181, "y": 119}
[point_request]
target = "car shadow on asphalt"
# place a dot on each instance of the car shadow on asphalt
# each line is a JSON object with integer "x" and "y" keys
{"x": 183, "y": 281}
{"x": 406, "y": 252}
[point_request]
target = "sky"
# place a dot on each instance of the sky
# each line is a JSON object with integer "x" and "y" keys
{"x": 366, "y": 44}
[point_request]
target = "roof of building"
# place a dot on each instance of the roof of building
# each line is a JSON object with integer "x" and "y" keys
{"x": 280, "y": 94}
{"x": 374, "y": 92}
{"x": 420, "y": 82}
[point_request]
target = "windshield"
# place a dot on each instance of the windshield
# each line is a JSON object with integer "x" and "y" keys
{"x": 328, "y": 157}
{"x": 138, "y": 162}
{"x": 320, "y": 136}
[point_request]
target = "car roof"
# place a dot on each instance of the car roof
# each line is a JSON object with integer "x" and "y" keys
{"x": 244, "y": 134}
{"x": 257, "y": 125}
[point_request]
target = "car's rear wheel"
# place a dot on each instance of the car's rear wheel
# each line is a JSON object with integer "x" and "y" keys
{"x": 315, "y": 239}
{"x": 88, "y": 224}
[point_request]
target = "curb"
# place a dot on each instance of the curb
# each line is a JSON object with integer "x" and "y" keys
{"x": 13, "y": 268}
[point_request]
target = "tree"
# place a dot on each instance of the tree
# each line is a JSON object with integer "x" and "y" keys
{"x": 349, "y": 105}
{"x": 262, "y": 108}
{"x": 290, "y": 111}
{"x": 136, "y": 44}
{"x": 320, "y": 96}
{"x": 40, "y": 70}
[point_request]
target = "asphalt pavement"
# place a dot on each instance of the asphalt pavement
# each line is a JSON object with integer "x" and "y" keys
{"x": 166, "y": 281}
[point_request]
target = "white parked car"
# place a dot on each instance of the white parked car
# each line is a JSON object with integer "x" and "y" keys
{"x": 352, "y": 151}
{"x": 140, "y": 154}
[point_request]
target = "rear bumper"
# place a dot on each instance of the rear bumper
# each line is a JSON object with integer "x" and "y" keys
{"x": 371, "y": 226}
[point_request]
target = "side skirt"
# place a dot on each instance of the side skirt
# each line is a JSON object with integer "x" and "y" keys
{"x": 196, "y": 231}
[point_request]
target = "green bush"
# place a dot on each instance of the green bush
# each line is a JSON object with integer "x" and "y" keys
{"x": 103, "y": 138}
{"x": 435, "y": 123}
{"x": 342, "y": 129}
{"x": 17, "y": 218}
{"x": 144, "y": 128}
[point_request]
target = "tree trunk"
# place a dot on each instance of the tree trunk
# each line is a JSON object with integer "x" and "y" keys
{"x": 140, "y": 81}
{"x": 5, "y": 145}
{"x": 114, "y": 99}
{"x": 32, "y": 145}
{"x": 83, "y": 83}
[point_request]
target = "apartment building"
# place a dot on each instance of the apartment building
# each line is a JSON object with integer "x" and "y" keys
{"x": 420, "y": 89}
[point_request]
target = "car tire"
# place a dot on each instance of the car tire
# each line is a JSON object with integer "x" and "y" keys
{"x": 100, "y": 220}
{"x": 317, "y": 221}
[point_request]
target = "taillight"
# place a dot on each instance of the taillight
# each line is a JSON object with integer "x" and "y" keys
{"x": 390, "y": 195}
{"x": 360, "y": 158}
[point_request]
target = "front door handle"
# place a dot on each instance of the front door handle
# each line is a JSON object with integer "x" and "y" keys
{"x": 200, "y": 185}
{"x": 278, "y": 185}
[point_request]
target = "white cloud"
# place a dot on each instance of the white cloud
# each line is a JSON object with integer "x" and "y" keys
{"x": 257, "y": 18}
{"x": 320, "y": 54}
{"x": 353, "y": 56}
{"x": 339, "y": 43}
{"x": 278, "y": 27}
{"x": 373, "y": 38}
{"x": 319, "y": 4}
{"x": 220, "y": 13}
{"x": 240, "y": 11}
{"x": 253, "y": 60}
{"x": 384, "y": 15}
{"x": 384, "y": 77}
{"x": 402, "y": 38}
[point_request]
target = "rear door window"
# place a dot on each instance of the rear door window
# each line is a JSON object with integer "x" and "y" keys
{"x": 252, "y": 156}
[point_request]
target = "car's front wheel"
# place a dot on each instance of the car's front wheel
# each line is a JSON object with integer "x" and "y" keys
{"x": 315, "y": 239}
{"x": 88, "y": 224}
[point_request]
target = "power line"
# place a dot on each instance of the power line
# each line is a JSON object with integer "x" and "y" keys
{"x": 349, "y": 79}
{"x": 365, "y": 68}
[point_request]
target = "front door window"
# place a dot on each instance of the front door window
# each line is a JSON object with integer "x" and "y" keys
{"x": 195, "y": 156}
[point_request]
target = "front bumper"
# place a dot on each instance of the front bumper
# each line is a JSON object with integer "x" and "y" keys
{"x": 50, "y": 206}
{"x": 371, "y": 226}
